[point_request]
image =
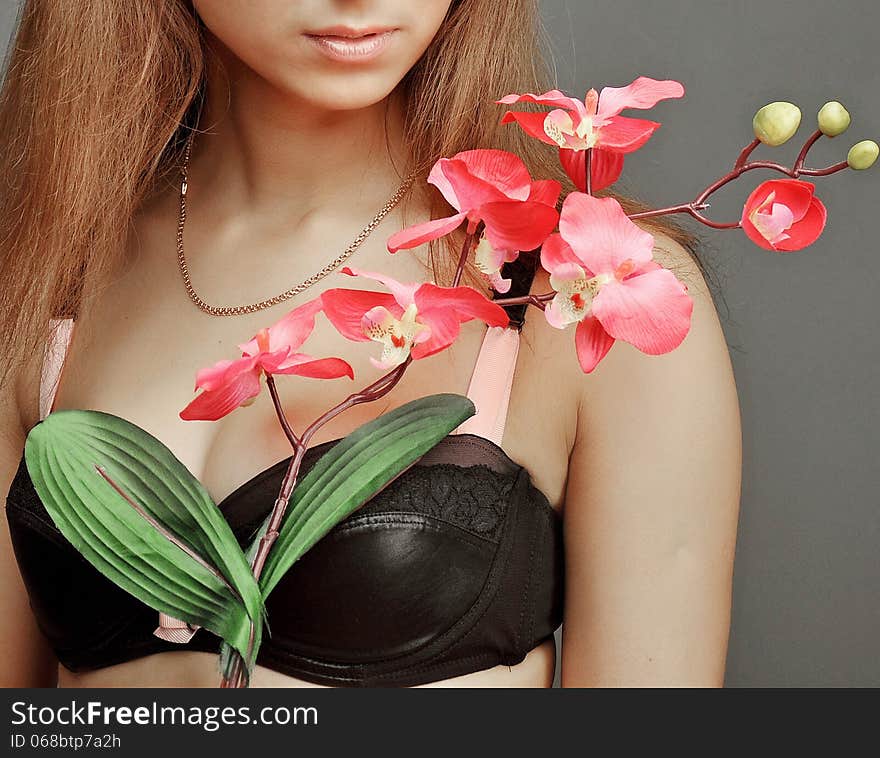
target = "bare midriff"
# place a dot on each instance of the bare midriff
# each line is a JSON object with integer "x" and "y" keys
{"x": 185, "y": 668}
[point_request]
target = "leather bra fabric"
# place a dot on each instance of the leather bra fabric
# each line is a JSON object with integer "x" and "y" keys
{"x": 456, "y": 566}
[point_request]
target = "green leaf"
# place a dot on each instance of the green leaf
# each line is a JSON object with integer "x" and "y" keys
{"x": 355, "y": 469}
{"x": 61, "y": 452}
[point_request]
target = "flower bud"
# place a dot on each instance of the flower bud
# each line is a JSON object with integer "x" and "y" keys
{"x": 776, "y": 123}
{"x": 863, "y": 154}
{"x": 833, "y": 119}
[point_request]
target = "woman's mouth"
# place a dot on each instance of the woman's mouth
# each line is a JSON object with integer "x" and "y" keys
{"x": 352, "y": 48}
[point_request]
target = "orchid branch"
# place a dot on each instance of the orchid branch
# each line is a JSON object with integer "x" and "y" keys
{"x": 588, "y": 179}
{"x": 372, "y": 392}
{"x": 279, "y": 410}
{"x": 739, "y": 168}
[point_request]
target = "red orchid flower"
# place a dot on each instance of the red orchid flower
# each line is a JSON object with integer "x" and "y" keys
{"x": 492, "y": 186}
{"x": 783, "y": 215}
{"x": 229, "y": 384}
{"x": 416, "y": 318}
{"x": 594, "y": 122}
{"x": 601, "y": 264}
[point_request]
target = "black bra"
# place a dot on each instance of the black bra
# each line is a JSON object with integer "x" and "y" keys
{"x": 454, "y": 567}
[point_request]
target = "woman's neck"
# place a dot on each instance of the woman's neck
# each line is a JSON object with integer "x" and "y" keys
{"x": 274, "y": 155}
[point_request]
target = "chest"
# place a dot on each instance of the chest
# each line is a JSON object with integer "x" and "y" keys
{"x": 136, "y": 349}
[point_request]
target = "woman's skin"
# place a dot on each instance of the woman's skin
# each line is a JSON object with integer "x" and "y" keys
{"x": 642, "y": 456}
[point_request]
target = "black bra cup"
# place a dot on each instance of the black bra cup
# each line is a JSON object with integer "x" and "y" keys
{"x": 456, "y": 566}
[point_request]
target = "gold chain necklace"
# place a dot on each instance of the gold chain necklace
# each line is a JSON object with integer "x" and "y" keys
{"x": 237, "y": 310}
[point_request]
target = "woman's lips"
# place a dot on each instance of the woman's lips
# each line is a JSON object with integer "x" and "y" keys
{"x": 353, "y": 49}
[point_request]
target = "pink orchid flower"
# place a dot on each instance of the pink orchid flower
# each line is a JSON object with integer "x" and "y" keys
{"x": 417, "y": 319}
{"x": 492, "y": 186}
{"x": 594, "y": 123}
{"x": 229, "y": 384}
{"x": 601, "y": 264}
{"x": 783, "y": 215}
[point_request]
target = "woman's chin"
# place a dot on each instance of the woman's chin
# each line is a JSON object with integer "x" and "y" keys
{"x": 340, "y": 93}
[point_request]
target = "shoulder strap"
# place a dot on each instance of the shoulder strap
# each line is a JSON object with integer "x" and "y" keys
{"x": 60, "y": 334}
{"x": 492, "y": 378}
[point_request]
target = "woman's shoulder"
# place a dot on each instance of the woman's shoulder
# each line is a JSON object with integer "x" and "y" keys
{"x": 700, "y": 358}
{"x": 698, "y": 371}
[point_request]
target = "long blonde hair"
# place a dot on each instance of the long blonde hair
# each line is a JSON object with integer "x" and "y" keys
{"x": 97, "y": 100}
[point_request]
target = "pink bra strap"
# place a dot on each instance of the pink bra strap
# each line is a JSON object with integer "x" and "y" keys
{"x": 60, "y": 333}
{"x": 491, "y": 382}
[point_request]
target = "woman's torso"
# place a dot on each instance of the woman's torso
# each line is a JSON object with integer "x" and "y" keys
{"x": 138, "y": 345}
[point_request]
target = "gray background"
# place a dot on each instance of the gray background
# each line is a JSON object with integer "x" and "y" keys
{"x": 802, "y": 327}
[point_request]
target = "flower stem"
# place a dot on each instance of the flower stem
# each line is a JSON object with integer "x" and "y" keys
{"x": 588, "y": 179}
{"x": 699, "y": 203}
{"x": 465, "y": 251}
{"x": 374, "y": 391}
{"x": 799, "y": 162}
{"x": 279, "y": 411}
{"x": 536, "y": 300}
{"x": 746, "y": 152}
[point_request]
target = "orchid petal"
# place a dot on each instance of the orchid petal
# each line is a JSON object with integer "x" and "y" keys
{"x": 396, "y": 335}
{"x": 795, "y": 194}
{"x": 601, "y": 234}
{"x": 625, "y": 135}
{"x": 531, "y": 123}
{"x": 570, "y": 271}
{"x": 223, "y": 372}
{"x": 389, "y": 363}
{"x": 418, "y": 234}
{"x": 772, "y": 225}
{"x": 212, "y": 405}
{"x": 464, "y": 302}
{"x": 605, "y": 167}
{"x": 498, "y": 282}
{"x": 573, "y": 296}
{"x": 489, "y": 259}
{"x": 592, "y": 342}
{"x": 554, "y": 315}
{"x": 344, "y": 309}
{"x": 559, "y": 127}
{"x": 445, "y": 328}
{"x": 437, "y": 177}
{"x": 316, "y": 368}
{"x": 651, "y": 311}
{"x": 551, "y": 97}
{"x": 290, "y": 331}
{"x": 545, "y": 191}
{"x": 643, "y": 92}
{"x": 556, "y": 252}
{"x": 808, "y": 214}
{"x": 499, "y": 168}
{"x": 808, "y": 229}
{"x": 269, "y": 362}
{"x": 471, "y": 191}
{"x": 403, "y": 291}
{"x": 211, "y": 377}
{"x": 518, "y": 225}
{"x": 378, "y": 322}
